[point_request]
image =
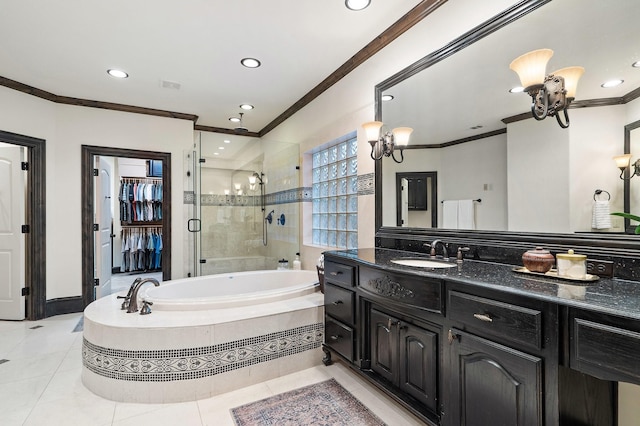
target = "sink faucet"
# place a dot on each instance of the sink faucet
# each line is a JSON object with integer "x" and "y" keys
{"x": 133, "y": 301}
{"x": 434, "y": 245}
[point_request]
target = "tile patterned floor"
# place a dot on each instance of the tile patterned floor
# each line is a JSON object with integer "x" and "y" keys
{"x": 40, "y": 385}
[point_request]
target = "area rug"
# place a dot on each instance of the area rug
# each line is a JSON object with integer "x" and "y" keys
{"x": 321, "y": 404}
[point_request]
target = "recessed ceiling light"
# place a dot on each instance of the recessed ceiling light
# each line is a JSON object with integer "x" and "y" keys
{"x": 250, "y": 62}
{"x": 215, "y": 153}
{"x": 246, "y": 106}
{"x": 387, "y": 98}
{"x": 117, "y": 73}
{"x": 221, "y": 147}
{"x": 636, "y": 64}
{"x": 518, "y": 89}
{"x": 612, "y": 83}
{"x": 234, "y": 119}
{"x": 357, "y": 4}
{"x": 227, "y": 141}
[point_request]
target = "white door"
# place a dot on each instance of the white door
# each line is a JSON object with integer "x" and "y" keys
{"x": 103, "y": 214}
{"x": 12, "y": 244}
{"x": 404, "y": 201}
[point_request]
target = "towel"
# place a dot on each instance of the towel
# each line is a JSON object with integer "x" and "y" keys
{"x": 450, "y": 214}
{"x": 601, "y": 218}
{"x": 466, "y": 214}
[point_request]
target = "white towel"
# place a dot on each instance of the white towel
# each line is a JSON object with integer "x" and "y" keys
{"x": 601, "y": 218}
{"x": 466, "y": 214}
{"x": 450, "y": 214}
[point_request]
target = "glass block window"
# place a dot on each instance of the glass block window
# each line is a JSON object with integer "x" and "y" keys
{"x": 335, "y": 195}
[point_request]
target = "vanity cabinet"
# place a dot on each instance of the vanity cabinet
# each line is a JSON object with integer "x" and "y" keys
{"x": 458, "y": 353}
{"x": 339, "y": 308}
{"x": 405, "y": 355}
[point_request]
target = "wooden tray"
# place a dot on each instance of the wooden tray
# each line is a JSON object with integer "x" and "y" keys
{"x": 553, "y": 273}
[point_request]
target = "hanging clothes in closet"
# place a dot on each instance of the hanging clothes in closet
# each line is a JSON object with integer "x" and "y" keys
{"x": 140, "y": 200}
{"x": 141, "y": 249}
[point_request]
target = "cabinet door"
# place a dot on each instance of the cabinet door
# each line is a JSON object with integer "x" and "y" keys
{"x": 384, "y": 345}
{"x": 418, "y": 364}
{"x": 492, "y": 384}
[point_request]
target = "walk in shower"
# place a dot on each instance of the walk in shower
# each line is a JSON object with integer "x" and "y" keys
{"x": 242, "y": 203}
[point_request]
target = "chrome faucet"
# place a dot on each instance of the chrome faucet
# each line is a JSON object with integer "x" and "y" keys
{"x": 133, "y": 301}
{"x": 434, "y": 245}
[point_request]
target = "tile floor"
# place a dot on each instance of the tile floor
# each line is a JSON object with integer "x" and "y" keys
{"x": 40, "y": 384}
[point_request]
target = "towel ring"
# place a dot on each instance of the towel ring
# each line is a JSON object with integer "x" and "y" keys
{"x": 600, "y": 191}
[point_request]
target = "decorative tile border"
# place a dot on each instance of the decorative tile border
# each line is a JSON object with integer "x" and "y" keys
{"x": 194, "y": 363}
{"x": 366, "y": 184}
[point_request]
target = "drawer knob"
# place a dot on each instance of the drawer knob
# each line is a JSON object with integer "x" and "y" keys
{"x": 483, "y": 317}
{"x": 334, "y": 273}
{"x": 335, "y": 337}
{"x": 337, "y": 302}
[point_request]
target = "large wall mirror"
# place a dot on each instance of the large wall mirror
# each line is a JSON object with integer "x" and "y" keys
{"x": 480, "y": 139}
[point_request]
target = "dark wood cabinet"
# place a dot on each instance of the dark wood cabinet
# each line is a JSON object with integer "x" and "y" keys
{"x": 406, "y": 356}
{"x": 493, "y": 384}
{"x": 456, "y": 353}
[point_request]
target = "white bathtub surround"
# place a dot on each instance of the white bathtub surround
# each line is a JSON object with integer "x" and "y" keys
{"x": 177, "y": 356}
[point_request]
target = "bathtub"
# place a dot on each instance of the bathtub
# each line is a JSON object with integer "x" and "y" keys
{"x": 205, "y": 341}
{"x": 231, "y": 290}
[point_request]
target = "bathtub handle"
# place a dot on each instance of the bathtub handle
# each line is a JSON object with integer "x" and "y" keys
{"x": 335, "y": 337}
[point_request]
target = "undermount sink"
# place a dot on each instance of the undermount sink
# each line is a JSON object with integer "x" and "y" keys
{"x": 423, "y": 263}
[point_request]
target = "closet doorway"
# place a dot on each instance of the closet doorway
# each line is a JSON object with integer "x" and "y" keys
{"x": 106, "y": 173}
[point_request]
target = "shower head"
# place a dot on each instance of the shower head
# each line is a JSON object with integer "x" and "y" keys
{"x": 256, "y": 176}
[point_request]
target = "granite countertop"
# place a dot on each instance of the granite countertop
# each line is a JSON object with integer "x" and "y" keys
{"x": 606, "y": 295}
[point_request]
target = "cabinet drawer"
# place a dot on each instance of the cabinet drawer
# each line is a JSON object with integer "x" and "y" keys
{"x": 605, "y": 351}
{"x": 416, "y": 292}
{"x": 490, "y": 317}
{"x": 339, "y": 303}
{"x": 338, "y": 273}
{"x": 339, "y": 337}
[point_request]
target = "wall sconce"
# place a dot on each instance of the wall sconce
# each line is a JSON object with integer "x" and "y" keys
{"x": 255, "y": 177}
{"x": 385, "y": 144}
{"x": 550, "y": 94}
{"x": 622, "y": 161}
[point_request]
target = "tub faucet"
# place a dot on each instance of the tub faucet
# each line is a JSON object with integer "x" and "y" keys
{"x": 133, "y": 301}
{"x": 127, "y": 298}
{"x": 434, "y": 245}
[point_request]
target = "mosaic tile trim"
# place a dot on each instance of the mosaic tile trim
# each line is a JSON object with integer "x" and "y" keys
{"x": 195, "y": 363}
{"x": 295, "y": 195}
{"x": 366, "y": 184}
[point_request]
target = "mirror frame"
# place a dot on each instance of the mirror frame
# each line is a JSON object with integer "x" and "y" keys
{"x": 617, "y": 245}
{"x": 627, "y": 183}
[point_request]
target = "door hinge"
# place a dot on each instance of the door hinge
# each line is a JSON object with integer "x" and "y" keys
{"x": 26, "y": 229}
{"x": 203, "y": 260}
{"x": 25, "y": 291}
{"x": 96, "y": 282}
{"x": 96, "y": 227}
{"x": 202, "y": 160}
{"x": 96, "y": 172}
{"x": 25, "y": 165}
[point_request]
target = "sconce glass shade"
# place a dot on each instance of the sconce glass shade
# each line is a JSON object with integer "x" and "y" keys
{"x": 227, "y": 192}
{"x": 237, "y": 186}
{"x": 401, "y": 136}
{"x": 252, "y": 180}
{"x": 531, "y": 67}
{"x": 622, "y": 161}
{"x": 372, "y": 129}
{"x": 571, "y": 76}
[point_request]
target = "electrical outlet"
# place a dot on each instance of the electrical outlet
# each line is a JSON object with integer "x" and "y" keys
{"x": 602, "y": 268}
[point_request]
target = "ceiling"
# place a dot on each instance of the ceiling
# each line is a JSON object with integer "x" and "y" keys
{"x": 66, "y": 47}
